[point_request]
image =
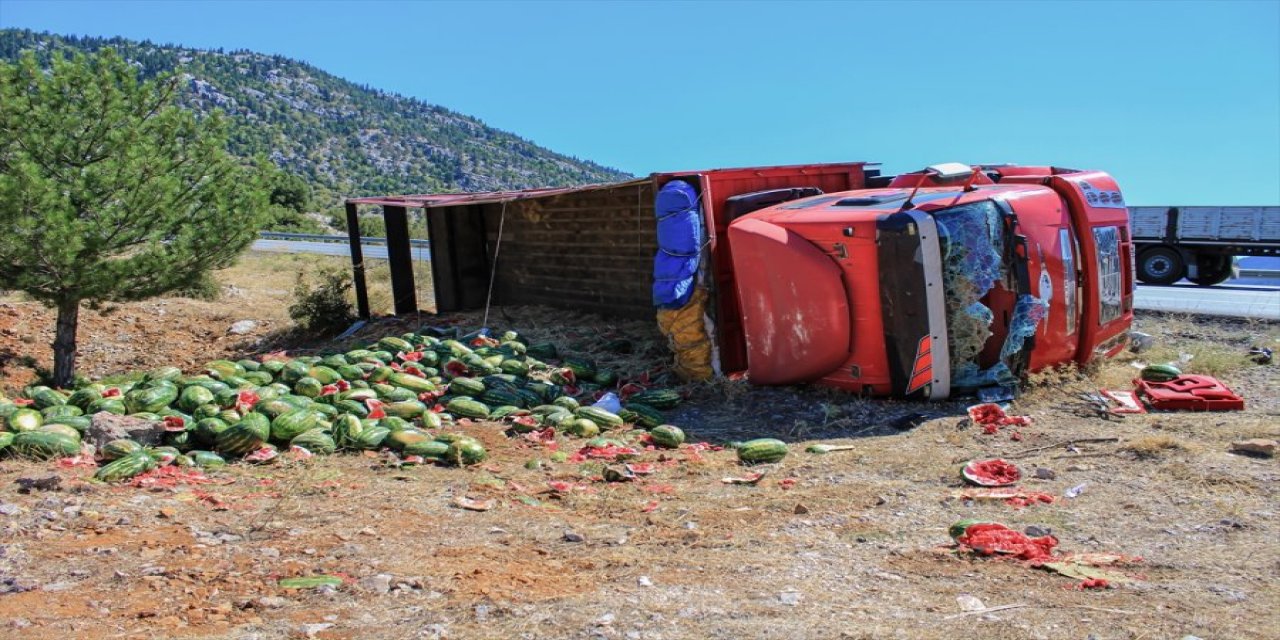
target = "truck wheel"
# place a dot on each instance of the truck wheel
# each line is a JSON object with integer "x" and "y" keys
{"x": 1160, "y": 265}
{"x": 1211, "y": 270}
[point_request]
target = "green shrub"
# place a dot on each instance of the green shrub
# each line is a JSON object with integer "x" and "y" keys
{"x": 323, "y": 308}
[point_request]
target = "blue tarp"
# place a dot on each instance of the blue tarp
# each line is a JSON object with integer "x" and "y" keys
{"x": 675, "y": 266}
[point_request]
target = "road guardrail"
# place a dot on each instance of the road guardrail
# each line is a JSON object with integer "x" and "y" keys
{"x": 313, "y": 237}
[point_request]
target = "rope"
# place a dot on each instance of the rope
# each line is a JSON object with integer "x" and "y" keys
{"x": 493, "y": 270}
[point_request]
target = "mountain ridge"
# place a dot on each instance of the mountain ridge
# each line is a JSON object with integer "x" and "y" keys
{"x": 342, "y": 137}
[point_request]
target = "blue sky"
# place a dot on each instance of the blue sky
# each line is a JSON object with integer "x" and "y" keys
{"x": 1179, "y": 100}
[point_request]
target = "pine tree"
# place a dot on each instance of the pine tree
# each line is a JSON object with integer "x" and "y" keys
{"x": 109, "y": 191}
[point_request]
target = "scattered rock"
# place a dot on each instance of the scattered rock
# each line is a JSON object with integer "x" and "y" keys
{"x": 1259, "y": 447}
{"x": 800, "y": 509}
{"x": 571, "y": 536}
{"x": 1230, "y": 595}
{"x": 1037, "y": 531}
{"x": 790, "y": 598}
{"x": 10, "y": 509}
{"x": 242, "y": 327}
{"x": 271, "y": 602}
{"x": 16, "y": 585}
{"x": 1139, "y": 341}
{"x": 644, "y": 581}
{"x": 47, "y": 483}
{"x": 969, "y": 603}
{"x": 380, "y": 583}
{"x": 310, "y": 630}
{"x": 105, "y": 427}
{"x": 605, "y": 620}
{"x": 1044, "y": 473}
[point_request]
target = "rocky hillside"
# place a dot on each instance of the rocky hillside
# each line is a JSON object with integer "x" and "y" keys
{"x": 343, "y": 138}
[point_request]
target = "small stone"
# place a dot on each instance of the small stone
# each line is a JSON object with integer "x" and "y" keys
{"x": 789, "y": 598}
{"x": 10, "y": 509}
{"x": 242, "y": 327}
{"x": 605, "y": 620}
{"x": 58, "y": 586}
{"x": 644, "y": 581}
{"x": 800, "y": 510}
{"x": 691, "y": 525}
{"x": 1140, "y": 342}
{"x": 482, "y": 612}
{"x": 310, "y": 630}
{"x": 1037, "y": 531}
{"x": 271, "y": 602}
{"x": 1260, "y": 447}
{"x": 1043, "y": 473}
{"x": 571, "y": 536}
{"x": 269, "y": 552}
{"x": 380, "y": 583}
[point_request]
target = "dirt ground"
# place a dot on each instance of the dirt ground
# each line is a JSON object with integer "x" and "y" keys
{"x": 850, "y": 544}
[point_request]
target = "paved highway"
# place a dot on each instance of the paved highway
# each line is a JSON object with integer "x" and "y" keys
{"x": 1245, "y": 297}
{"x": 1231, "y": 298}
{"x": 371, "y": 251}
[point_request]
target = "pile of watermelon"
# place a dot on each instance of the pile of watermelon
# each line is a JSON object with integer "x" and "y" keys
{"x": 408, "y": 394}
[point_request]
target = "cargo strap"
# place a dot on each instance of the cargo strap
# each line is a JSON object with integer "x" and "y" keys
{"x": 493, "y": 268}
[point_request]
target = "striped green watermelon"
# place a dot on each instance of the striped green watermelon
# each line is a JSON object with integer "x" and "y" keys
{"x": 606, "y": 419}
{"x": 657, "y": 398}
{"x": 762, "y": 450}
{"x": 316, "y": 441}
{"x": 667, "y": 435}
{"x": 467, "y": 408}
{"x": 126, "y": 467}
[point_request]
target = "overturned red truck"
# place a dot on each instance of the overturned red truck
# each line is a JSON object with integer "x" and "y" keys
{"x": 941, "y": 282}
{"x": 929, "y": 284}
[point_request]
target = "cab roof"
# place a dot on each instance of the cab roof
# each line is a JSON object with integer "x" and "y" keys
{"x": 869, "y": 204}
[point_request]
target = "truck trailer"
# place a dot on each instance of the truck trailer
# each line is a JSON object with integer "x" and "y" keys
{"x": 1200, "y": 243}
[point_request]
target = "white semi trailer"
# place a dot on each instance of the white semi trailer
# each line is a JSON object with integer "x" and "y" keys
{"x": 1200, "y": 243}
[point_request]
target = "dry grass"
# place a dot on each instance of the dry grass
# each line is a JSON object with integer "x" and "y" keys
{"x": 1154, "y": 447}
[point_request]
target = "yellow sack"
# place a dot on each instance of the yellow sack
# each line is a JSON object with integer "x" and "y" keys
{"x": 687, "y": 336}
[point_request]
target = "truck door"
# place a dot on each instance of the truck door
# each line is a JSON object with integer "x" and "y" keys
{"x": 1052, "y": 250}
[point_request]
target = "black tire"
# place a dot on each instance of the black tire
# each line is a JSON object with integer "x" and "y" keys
{"x": 1160, "y": 265}
{"x": 1212, "y": 269}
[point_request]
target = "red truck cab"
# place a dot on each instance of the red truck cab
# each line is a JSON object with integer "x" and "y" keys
{"x": 944, "y": 281}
